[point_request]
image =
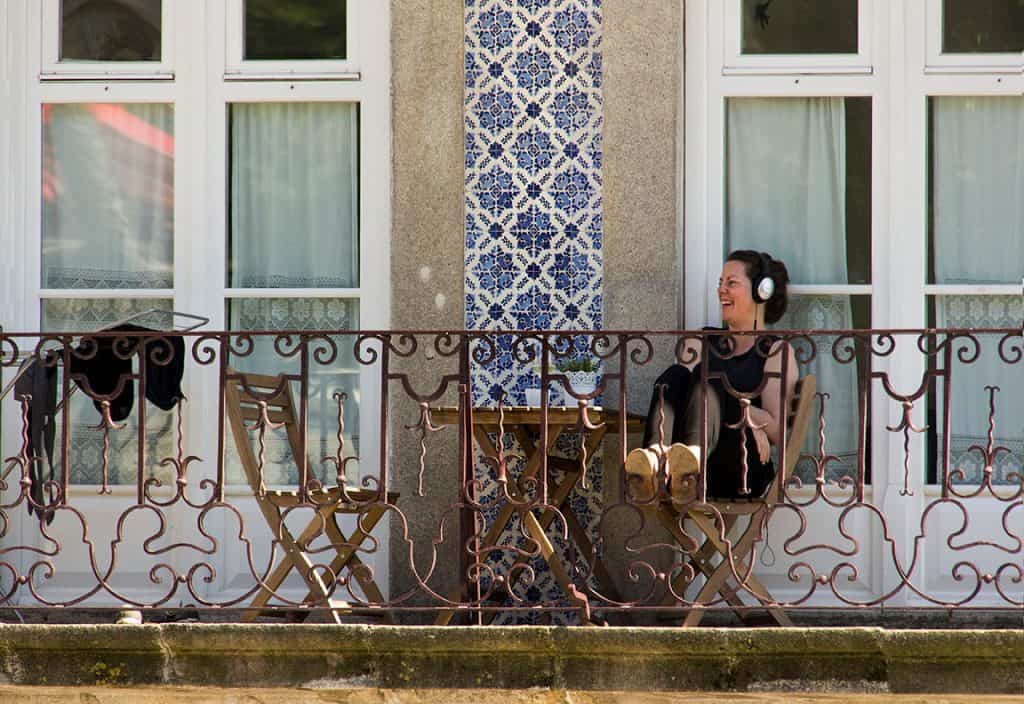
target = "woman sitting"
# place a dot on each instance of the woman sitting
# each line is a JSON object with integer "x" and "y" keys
{"x": 751, "y": 292}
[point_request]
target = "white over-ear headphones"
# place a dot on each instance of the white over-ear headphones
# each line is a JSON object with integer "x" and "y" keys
{"x": 764, "y": 284}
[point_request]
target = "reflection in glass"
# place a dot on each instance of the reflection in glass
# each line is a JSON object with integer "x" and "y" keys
{"x": 982, "y": 26}
{"x": 85, "y": 441}
{"x": 799, "y": 27}
{"x": 108, "y": 196}
{"x": 294, "y": 213}
{"x": 326, "y": 377}
{"x": 294, "y": 29}
{"x": 110, "y": 30}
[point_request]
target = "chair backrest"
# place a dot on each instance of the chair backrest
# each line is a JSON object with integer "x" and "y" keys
{"x": 799, "y": 417}
{"x": 242, "y": 406}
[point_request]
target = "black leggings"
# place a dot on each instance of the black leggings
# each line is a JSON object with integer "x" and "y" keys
{"x": 725, "y": 462}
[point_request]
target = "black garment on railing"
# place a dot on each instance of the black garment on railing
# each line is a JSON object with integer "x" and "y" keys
{"x": 40, "y": 382}
{"x": 104, "y": 370}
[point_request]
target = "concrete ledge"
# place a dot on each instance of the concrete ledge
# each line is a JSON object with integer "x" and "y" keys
{"x": 343, "y": 657}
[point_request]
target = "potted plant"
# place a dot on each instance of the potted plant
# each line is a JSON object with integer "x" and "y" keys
{"x": 582, "y": 373}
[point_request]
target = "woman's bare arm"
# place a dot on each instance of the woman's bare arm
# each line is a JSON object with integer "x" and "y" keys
{"x": 771, "y": 414}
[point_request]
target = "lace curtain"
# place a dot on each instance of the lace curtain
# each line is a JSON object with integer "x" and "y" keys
{"x": 340, "y": 375}
{"x": 85, "y": 441}
{"x": 786, "y": 170}
{"x": 978, "y": 231}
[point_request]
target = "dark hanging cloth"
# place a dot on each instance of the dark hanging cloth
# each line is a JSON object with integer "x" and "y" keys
{"x": 40, "y": 382}
{"x": 104, "y": 370}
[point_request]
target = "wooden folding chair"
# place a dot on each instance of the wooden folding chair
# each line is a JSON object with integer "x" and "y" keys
{"x": 758, "y": 510}
{"x": 243, "y": 395}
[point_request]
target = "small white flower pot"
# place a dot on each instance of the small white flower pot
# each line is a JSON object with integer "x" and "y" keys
{"x": 581, "y": 383}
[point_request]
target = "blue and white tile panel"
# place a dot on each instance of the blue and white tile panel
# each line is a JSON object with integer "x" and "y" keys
{"x": 533, "y": 173}
{"x": 533, "y": 116}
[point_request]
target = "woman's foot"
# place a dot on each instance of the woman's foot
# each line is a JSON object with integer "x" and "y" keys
{"x": 641, "y": 469}
{"x": 682, "y": 461}
{"x": 683, "y": 468}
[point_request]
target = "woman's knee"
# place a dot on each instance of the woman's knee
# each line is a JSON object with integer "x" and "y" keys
{"x": 675, "y": 377}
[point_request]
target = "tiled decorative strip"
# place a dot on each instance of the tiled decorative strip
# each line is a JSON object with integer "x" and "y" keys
{"x": 533, "y": 171}
{"x": 533, "y": 198}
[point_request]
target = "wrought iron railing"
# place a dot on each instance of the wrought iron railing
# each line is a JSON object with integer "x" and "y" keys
{"x": 454, "y": 499}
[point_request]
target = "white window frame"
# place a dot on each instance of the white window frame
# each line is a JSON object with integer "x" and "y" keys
{"x": 358, "y": 24}
{"x": 900, "y": 84}
{"x": 370, "y": 88}
{"x": 704, "y": 137}
{"x": 938, "y": 62}
{"x": 735, "y": 61}
{"x": 52, "y": 68}
{"x": 195, "y": 85}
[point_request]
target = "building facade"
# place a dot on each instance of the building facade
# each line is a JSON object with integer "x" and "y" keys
{"x": 522, "y": 165}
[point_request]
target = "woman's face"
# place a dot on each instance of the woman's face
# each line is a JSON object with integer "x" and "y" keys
{"x": 734, "y": 295}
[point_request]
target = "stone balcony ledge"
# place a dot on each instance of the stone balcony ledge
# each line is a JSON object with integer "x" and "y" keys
{"x": 333, "y": 657}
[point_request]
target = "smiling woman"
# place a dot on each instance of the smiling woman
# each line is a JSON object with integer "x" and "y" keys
{"x": 751, "y": 292}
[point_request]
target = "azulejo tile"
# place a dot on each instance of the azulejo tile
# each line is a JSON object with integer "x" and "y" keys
{"x": 533, "y": 257}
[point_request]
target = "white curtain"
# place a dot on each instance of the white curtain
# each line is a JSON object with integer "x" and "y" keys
{"x": 294, "y": 195}
{"x": 295, "y": 224}
{"x": 786, "y": 193}
{"x": 978, "y": 211}
{"x": 108, "y": 196}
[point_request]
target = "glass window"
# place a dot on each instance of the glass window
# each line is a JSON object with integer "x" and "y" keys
{"x": 977, "y": 177}
{"x": 975, "y": 225}
{"x": 982, "y": 26}
{"x": 110, "y": 30}
{"x": 327, "y": 376}
{"x": 295, "y": 29}
{"x": 85, "y": 440}
{"x": 108, "y": 196}
{"x": 294, "y": 189}
{"x": 800, "y": 27}
{"x": 799, "y": 187}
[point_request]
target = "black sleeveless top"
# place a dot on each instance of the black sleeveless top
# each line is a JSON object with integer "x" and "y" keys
{"x": 744, "y": 373}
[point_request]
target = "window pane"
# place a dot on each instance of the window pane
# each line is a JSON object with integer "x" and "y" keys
{"x": 799, "y": 27}
{"x": 976, "y": 210}
{"x": 838, "y": 380}
{"x": 294, "y": 196}
{"x": 340, "y": 374}
{"x": 969, "y": 405}
{"x": 982, "y": 26}
{"x": 86, "y": 442}
{"x": 108, "y": 196}
{"x": 105, "y": 30}
{"x": 294, "y": 29}
{"x": 799, "y": 185}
